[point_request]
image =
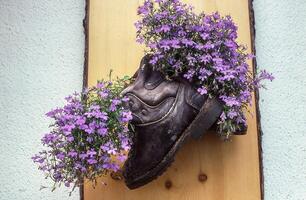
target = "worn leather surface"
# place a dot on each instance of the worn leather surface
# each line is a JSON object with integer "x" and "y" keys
{"x": 162, "y": 110}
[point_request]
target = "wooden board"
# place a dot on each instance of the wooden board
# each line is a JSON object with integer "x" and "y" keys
{"x": 232, "y": 169}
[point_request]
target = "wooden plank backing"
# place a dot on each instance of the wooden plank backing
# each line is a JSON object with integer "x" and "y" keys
{"x": 232, "y": 168}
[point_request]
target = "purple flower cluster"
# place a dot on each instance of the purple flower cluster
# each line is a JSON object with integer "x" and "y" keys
{"x": 90, "y": 135}
{"x": 202, "y": 49}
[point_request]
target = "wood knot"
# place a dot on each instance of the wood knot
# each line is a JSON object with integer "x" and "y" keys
{"x": 202, "y": 177}
{"x": 168, "y": 184}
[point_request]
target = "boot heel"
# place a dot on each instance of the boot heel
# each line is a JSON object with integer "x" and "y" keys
{"x": 209, "y": 113}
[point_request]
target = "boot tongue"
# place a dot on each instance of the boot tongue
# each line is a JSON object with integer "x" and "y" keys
{"x": 149, "y": 77}
{"x": 153, "y": 79}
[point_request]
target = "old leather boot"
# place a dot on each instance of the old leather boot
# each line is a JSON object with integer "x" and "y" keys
{"x": 165, "y": 114}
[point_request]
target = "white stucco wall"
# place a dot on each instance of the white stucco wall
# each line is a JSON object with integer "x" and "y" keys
{"x": 281, "y": 49}
{"x": 41, "y": 61}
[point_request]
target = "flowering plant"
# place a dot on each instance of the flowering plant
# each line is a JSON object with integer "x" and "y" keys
{"x": 89, "y": 136}
{"x": 202, "y": 49}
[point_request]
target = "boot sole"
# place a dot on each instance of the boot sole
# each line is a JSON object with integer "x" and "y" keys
{"x": 206, "y": 117}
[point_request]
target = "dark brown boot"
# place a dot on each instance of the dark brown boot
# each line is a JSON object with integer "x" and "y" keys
{"x": 165, "y": 114}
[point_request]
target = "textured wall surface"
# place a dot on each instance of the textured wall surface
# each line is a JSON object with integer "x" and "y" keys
{"x": 41, "y": 61}
{"x": 281, "y": 49}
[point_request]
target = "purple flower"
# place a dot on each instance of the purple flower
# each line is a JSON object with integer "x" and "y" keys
{"x": 101, "y": 115}
{"x": 265, "y": 75}
{"x": 155, "y": 59}
{"x": 230, "y": 101}
{"x": 223, "y": 116}
{"x": 189, "y": 75}
{"x": 80, "y": 120}
{"x": 152, "y": 45}
{"x": 85, "y": 91}
{"x": 90, "y": 130}
{"x": 191, "y": 60}
{"x": 187, "y": 42}
{"x": 89, "y": 139}
{"x": 145, "y": 9}
{"x": 112, "y": 151}
{"x": 125, "y": 145}
{"x": 204, "y": 36}
{"x": 109, "y": 148}
{"x": 230, "y": 44}
{"x": 38, "y": 159}
{"x": 91, "y": 153}
{"x": 83, "y": 127}
{"x": 49, "y": 138}
{"x": 102, "y": 131}
{"x": 54, "y": 112}
{"x": 100, "y": 85}
{"x": 94, "y": 107}
{"x": 205, "y": 58}
{"x": 241, "y": 120}
{"x": 122, "y": 158}
{"x": 83, "y": 156}
{"x": 204, "y": 74}
{"x": 138, "y": 25}
{"x": 163, "y": 28}
{"x": 165, "y": 44}
{"x": 70, "y": 138}
{"x": 199, "y": 46}
{"x": 68, "y": 128}
{"x": 60, "y": 156}
{"x": 209, "y": 46}
{"x": 140, "y": 40}
{"x": 57, "y": 176}
{"x": 92, "y": 161}
{"x": 202, "y": 90}
{"x": 114, "y": 104}
{"x": 232, "y": 114}
{"x": 69, "y": 98}
{"x": 111, "y": 166}
{"x": 175, "y": 44}
{"x": 126, "y": 116}
{"x": 104, "y": 94}
{"x": 245, "y": 96}
{"x": 125, "y": 99}
{"x": 104, "y": 148}
{"x": 73, "y": 154}
{"x": 182, "y": 33}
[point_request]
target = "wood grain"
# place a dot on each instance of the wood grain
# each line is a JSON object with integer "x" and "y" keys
{"x": 232, "y": 168}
